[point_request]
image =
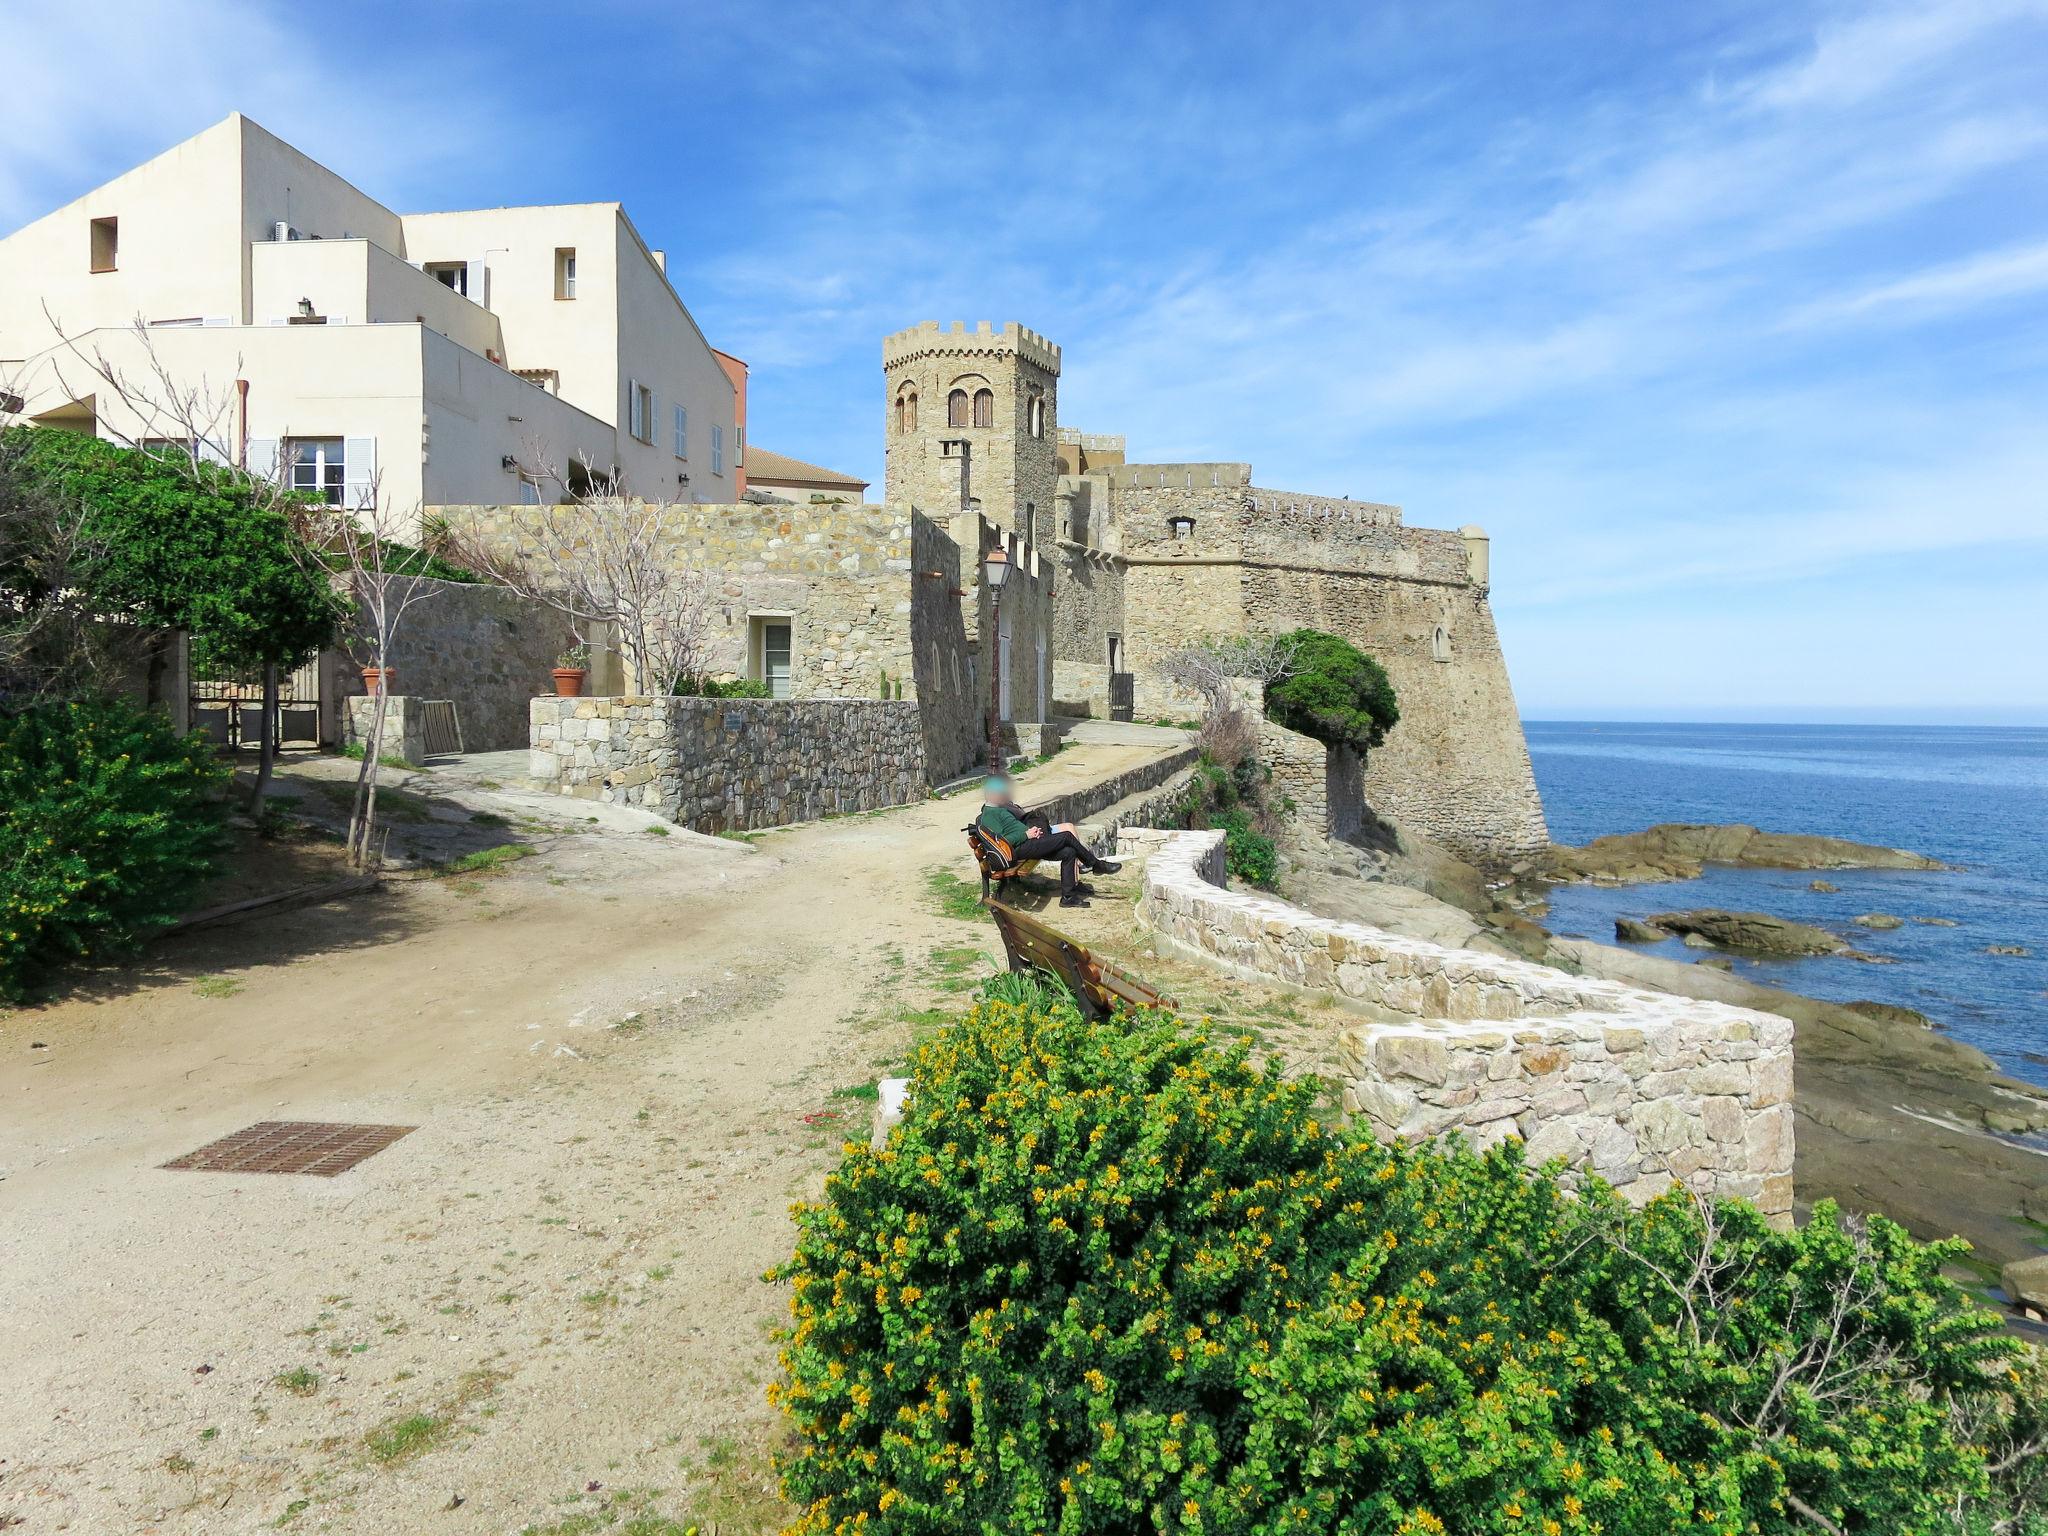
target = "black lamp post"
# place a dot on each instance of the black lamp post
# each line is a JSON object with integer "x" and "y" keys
{"x": 994, "y": 567}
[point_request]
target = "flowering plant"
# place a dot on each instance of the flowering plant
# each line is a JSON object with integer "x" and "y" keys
{"x": 1109, "y": 1278}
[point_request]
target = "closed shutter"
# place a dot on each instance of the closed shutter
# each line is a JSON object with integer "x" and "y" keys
{"x": 476, "y": 283}
{"x": 263, "y": 462}
{"x": 359, "y": 472}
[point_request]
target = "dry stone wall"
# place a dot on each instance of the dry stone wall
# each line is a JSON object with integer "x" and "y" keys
{"x": 1639, "y": 1087}
{"x": 484, "y": 647}
{"x": 718, "y": 765}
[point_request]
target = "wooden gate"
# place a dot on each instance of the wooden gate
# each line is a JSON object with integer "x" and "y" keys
{"x": 1123, "y": 693}
{"x": 227, "y": 703}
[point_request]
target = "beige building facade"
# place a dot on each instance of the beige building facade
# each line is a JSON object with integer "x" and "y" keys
{"x": 428, "y": 358}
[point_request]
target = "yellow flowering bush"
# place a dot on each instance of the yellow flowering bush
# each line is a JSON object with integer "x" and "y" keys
{"x": 1110, "y": 1278}
{"x": 109, "y": 823}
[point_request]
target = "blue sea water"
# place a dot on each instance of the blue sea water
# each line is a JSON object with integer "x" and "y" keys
{"x": 1976, "y": 797}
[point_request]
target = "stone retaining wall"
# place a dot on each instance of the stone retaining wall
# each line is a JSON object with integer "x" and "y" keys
{"x": 718, "y": 765}
{"x": 1640, "y": 1087}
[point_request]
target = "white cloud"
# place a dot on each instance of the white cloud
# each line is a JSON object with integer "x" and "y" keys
{"x": 1938, "y": 290}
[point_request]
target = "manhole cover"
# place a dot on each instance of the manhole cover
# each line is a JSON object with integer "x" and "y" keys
{"x": 292, "y": 1146}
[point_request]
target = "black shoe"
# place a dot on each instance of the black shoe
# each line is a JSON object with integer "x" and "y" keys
{"x": 1073, "y": 899}
{"x": 1106, "y": 867}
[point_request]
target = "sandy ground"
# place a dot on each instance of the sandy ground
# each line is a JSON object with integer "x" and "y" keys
{"x": 622, "y": 1057}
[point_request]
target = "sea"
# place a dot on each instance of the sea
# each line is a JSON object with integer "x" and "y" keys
{"x": 1973, "y": 797}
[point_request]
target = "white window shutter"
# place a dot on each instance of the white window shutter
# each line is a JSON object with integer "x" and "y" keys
{"x": 358, "y": 472}
{"x": 477, "y": 283}
{"x": 210, "y": 451}
{"x": 263, "y": 459}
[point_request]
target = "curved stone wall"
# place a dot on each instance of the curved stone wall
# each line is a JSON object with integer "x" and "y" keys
{"x": 1640, "y": 1087}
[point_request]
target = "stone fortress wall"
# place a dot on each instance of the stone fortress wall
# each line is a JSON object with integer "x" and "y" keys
{"x": 1640, "y": 1087}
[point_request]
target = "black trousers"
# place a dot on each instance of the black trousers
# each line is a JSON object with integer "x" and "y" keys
{"x": 1065, "y": 847}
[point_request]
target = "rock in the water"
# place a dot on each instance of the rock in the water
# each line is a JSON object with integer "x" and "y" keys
{"x": 1757, "y": 932}
{"x": 1881, "y": 920}
{"x": 1935, "y": 922}
{"x": 1716, "y": 963}
{"x": 1891, "y": 1013}
{"x": 1629, "y": 931}
{"x": 1825, "y": 887}
{"x": 2026, "y": 1285}
{"x": 1679, "y": 850}
{"x": 1698, "y": 941}
{"x": 2005, "y": 949}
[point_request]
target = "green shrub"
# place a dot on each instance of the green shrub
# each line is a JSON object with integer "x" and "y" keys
{"x": 109, "y": 824}
{"x": 711, "y": 688}
{"x": 1248, "y": 853}
{"x": 1335, "y": 693}
{"x": 1107, "y": 1280}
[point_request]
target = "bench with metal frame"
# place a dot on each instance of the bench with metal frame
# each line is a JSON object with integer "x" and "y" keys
{"x": 1099, "y": 988}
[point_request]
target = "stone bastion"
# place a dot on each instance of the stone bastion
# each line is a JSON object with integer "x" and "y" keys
{"x": 1640, "y": 1087}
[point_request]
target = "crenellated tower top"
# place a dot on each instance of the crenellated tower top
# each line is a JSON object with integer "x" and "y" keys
{"x": 931, "y": 339}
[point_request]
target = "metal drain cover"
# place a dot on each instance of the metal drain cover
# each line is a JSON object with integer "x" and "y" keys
{"x": 292, "y": 1146}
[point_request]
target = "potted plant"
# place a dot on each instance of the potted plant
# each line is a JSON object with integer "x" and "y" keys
{"x": 379, "y": 680}
{"x": 571, "y": 668}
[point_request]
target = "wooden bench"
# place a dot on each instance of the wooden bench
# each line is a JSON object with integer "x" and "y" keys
{"x": 1099, "y": 988}
{"x": 989, "y": 857}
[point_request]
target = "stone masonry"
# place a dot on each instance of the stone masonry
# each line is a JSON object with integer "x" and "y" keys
{"x": 1639, "y": 1087}
{"x": 718, "y": 765}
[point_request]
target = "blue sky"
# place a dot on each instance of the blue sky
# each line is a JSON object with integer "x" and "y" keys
{"x": 1729, "y": 321}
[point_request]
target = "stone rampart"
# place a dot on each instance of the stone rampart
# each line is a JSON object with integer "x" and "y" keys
{"x": 718, "y": 765}
{"x": 1640, "y": 1087}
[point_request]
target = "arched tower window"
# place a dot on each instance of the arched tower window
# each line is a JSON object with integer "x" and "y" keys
{"x": 906, "y": 411}
{"x": 956, "y": 408}
{"x": 1440, "y": 644}
{"x": 1035, "y": 416}
{"x": 984, "y": 408}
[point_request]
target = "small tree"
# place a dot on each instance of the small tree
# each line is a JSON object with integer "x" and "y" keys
{"x": 600, "y": 557}
{"x": 1333, "y": 692}
{"x": 1210, "y": 667}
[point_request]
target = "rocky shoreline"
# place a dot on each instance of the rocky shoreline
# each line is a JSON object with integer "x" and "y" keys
{"x": 1893, "y": 1115}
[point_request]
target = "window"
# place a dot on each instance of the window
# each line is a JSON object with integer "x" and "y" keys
{"x": 984, "y": 408}
{"x": 450, "y": 274}
{"x": 717, "y": 449}
{"x": 682, "y": 429}
{"x": 906, "y": 411}
{"x": 318, "y": 468}
{"x": 956, "y": 408}
{"x": 1183, "y": 527}
{"x": 565, "y": 272}
{"x": 771, "y": 652}
{"x": 106, "y": 244}
{"x": 1035, "y": 414}
{"x": 640, "y": 410}
{"x": 1440, "y": 644}
{"x": 739, "y": 447}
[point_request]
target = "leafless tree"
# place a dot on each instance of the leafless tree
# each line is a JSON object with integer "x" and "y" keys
{"x": 1214, "y": 666}
{"x": 604, "y": 557}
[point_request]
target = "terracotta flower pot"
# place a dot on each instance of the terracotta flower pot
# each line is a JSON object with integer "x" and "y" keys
{"x": 378, "y": 680}
{"x": 569, "y": 682}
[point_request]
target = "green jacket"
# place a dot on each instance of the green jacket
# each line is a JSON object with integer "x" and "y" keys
{"x": 1005, "y": 823}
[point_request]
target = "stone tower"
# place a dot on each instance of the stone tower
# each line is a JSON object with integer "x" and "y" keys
{"x": 996, "y": 392}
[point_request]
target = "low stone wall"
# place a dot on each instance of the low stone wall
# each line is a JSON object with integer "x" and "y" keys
{"x": 718, "y": 765}
{"x": 405, "y": 726}
{"x": 1640, "y": 1087}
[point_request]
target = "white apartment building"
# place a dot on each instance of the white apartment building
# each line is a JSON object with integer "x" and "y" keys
{"x": 440, "y": 357}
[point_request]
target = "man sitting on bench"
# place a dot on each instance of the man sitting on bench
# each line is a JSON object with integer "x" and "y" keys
{"x": 1030, "y": 837}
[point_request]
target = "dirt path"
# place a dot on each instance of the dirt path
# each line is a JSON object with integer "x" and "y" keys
{"x": 545, "y": 1304}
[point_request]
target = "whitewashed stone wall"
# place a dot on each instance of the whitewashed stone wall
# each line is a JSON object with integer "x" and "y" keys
{"x": 1640, "y": 1087}
{"x": 718, "y": 765}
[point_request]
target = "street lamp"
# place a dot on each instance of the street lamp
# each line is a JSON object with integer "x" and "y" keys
{"x": 995, "y": 566}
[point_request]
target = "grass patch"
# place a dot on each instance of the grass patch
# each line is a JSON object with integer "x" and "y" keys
{"x": 217, "y": 986}
{"x": 655, "y": 831}
{"x": 488, "y": 819}
{"x": 953, "y": 896}
{"x": 484, "y": 860}
{"x": 354, "y": 752}
{"x": 625, "y": 1513}
{"x": 402, "y": 1439}
{"x": 299, "y": 1381}
{"x": 864, "y": 1091}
